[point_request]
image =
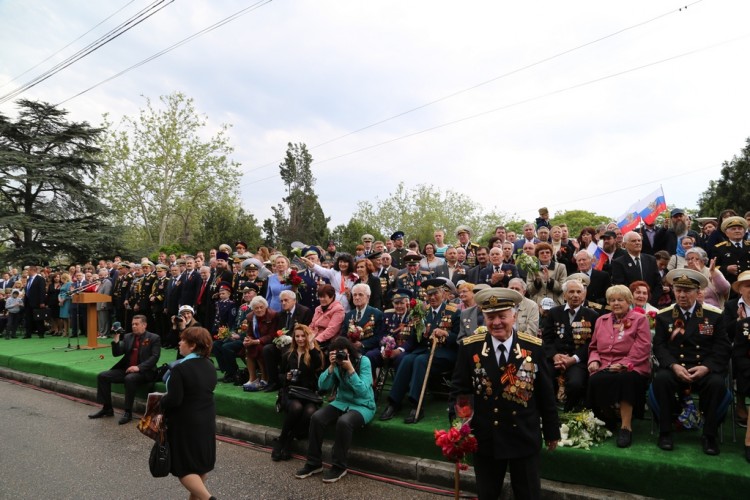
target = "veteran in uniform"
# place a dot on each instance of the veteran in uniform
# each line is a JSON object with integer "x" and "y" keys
{"x": 414, "y": 278}
{"x": 396, "y": 324}
{"x": 566, "y": 335}
{"x": 441, "y": 321}
{"x": 693, "y": 351}
{"x": 463, "y": 233}
{"x": 120, "y": 291}
{"x": 510, "y": 380}
{"x": 398, "y": 252}
{"x": 157, "y": 299}
{"x": 733, "y": 254}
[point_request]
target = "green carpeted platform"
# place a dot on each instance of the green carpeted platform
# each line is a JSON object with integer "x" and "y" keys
{"x": 642, "y": 469}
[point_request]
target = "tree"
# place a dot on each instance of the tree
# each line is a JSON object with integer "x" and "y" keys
{"x": 423, "y": 209}
{"x": 348, "y": 236}
{"x": 227, "y": 224}
{"x": 578, "y": 219}
{"x": 161, "y": 174}
{"x": 302, "y": 218}
{"x": 730, "y": 191}
{"x": 50, "y": 209}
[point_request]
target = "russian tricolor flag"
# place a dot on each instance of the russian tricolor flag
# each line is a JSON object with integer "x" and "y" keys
{"x": 655, "y": 204}
{"x": 600, "y": 258}
{"x": 629, "y": 220}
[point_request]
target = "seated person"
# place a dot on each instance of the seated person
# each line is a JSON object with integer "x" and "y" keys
{"x": 566, "y": 333}
{"x": 363, "y": 324}
{"x": 184, "y": 319}
{"x": 328, "y": 318}
{"x": 353, "y": 408}
{"x": 619, "y": 362}
{"x": 442, "y": 321}
{"x": 140, "y": 351}
{"x": 693, "y": 351}
{"x": 397, "y": 325}
{"x": 301, "y": 365}
{"x": 261, "y": 327}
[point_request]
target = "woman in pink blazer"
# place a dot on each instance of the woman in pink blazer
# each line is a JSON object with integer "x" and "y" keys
{"x": 328, "y": 317}
{"x": 619, "y": 362}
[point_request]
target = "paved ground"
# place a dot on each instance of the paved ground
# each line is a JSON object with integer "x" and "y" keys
{"x": 50, "y": 449}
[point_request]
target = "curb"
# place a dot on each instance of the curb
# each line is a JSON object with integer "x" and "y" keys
{"x": 402, "y": 467}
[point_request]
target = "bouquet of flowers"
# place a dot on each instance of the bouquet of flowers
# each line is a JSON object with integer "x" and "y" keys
{"x": 282, "y": 338}
{"x": 418, "y": 313}
{"x": 387, "y": 345}
{"x": 354, "y": 332}
{"x": 293, "y": 279}
{"x": 527, "y": 263}
{"x": 581, "y": 430}
{"x": 458, "y": 440}
{"x": 222, "y": 333}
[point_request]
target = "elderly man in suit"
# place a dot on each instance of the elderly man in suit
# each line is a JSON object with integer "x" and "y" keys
{"x": 527, "y": 315}
{"x": 637, "y": 266}
{"x": 599, "y": 281}
{"x": 506, "y": 373}
{"x": 104, "y": 309}
{"x": 34, "y": 299}
{"x": 140, "y": 351}
{"x": 366, "y": 320}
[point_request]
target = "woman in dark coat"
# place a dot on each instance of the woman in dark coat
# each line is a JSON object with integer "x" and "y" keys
{"x": 366, "y": 272}
{"x": 302, "y": 364}
{"x": 191, "y": 414}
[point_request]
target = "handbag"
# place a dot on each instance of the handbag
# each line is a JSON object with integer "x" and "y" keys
{"x": 305, "y": 394}
{"x": 160, "y": 460}
{"x": 152, "y": 424}
{"x": 41, "y": 314}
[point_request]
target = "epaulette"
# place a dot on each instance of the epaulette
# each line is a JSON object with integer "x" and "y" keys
{"x": 425, "y": 273}
{"x": 474, "y": 245}
{"x": 472, "y": 339}
{"x": 722, "y": 244}
{"x": 389, "y": 311}
{"x": 530, "y": 338}
{"x": 595, "y": 305}
{"x": 668, "y": 308}
{"x": 713, "y": 308}
{"x": 450, "y": 306}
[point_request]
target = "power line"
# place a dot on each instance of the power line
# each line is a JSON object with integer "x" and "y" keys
{"x": 92, "y": 47}
{"x": 208, "y": 29}
{"x": 68, "y": 45}
{"x": 518, "y": 103}
{"x": 491, "y": 80}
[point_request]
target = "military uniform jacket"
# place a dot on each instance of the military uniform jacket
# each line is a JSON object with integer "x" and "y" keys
{"x": 225, "y": 315}
{"x": 561, "y": 336}
{"x": 738, "y": 329}
{"x": 371, "y": 324}
{"x": 471, "y": 253}
{"x": 146, "y": 288}
{"x": 510, "y": 400}
{"x": 308, "y": 294}
{"x": 727, "y": 254}
{"x": 700, "y": 341}
{"x": 397, "y": 257}
{"x": 413, "y": 283}
{"x": 397, "y": 326}
{"x": 121, "y": 289}
{"x": 471, "y": 319}
{"x": 158, "y": 294}
{"x": 448, "y": 318}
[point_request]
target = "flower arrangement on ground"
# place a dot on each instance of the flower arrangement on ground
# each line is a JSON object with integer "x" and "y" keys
{"x": 582, "y": 430}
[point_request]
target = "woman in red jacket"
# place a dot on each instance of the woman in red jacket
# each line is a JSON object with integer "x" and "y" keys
{"x": 328, "y": 317}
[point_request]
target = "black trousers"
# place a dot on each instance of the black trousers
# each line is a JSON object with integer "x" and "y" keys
{"x": 524, "y": 476}
{"x": 32, "y": 325}
{"x": 105, "y": 380}
{"x": 710, "y": 389}
{"x": 272, "y": 359}
{"x": 346, "y": 422}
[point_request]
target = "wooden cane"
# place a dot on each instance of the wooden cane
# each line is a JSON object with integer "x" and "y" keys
{"x": 426, "y": 376}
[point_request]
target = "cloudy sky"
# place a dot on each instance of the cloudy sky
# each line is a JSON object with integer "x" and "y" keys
{"x": 573, "y": 105}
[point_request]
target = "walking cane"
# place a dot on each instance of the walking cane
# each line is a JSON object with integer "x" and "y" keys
{"x": 435, "y": 341}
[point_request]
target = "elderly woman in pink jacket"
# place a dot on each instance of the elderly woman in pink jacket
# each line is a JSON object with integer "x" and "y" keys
{"x": 328, "y": 317}
{"x": 619, "y": 362}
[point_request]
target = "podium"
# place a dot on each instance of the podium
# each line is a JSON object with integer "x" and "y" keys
{"x": 92, "y": 326}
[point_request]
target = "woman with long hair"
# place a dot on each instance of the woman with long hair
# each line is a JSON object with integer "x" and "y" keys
{"x": 302, "y": 364}
{"x": 53, "y": 304}
{"x": 366, "y": 272}
{"x": 586, "y": 237}
{"x": 342, "y": 277}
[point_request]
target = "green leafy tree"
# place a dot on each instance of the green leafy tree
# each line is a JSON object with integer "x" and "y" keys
{"x": 227, "y": 223}
{"x": 578, "y": 219}
{"x": 50, "y": 212}
{"x": 161, "y": 173}
{"x": 421, "y": 210}
{"x": 300, "y": 217}
{"x": 729, "y": 191}
{"x": 349, "y": 235}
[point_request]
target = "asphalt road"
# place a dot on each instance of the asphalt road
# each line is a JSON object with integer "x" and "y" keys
{"x": 50, "y": 449}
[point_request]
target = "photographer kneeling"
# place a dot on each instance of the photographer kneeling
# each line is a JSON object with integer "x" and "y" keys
{"x": 354, "y": 406}
{"x": 184, "y": 319}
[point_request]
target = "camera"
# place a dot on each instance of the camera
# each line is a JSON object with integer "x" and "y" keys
{"x": 117, "y": 328}
{"x": 294, "y": 375}
{"x": 341, "y": 356}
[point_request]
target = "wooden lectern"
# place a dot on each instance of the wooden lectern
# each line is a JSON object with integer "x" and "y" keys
{"x": 92, "y": 326}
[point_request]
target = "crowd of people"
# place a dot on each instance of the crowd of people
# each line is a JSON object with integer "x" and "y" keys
{"x": 657, "y": 313}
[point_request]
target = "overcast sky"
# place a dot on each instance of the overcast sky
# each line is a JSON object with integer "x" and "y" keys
{"x": 585, "y": 130}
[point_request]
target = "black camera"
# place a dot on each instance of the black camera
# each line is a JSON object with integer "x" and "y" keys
{"x": 341, "y": 356}
{"x": 117, "y": 328}
{"x": 294, "y": 375}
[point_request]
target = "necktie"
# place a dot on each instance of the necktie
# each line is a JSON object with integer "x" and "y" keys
{"x": 738, "y": 244}
{"x": 200, "y": 295}
{"x": 501, "y": 360}
{"x": 358, "y": 316}
{"x": 497, "y": 269}
{"x": 134, "y": 352}
{"x": 687, "y": 316}
{"x": 638, "y": 265}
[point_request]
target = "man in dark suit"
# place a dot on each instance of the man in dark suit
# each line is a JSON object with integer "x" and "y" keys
{"x": 34, "y": 299}
{"x": 610, "y": 249}
{"x": 693, "y": 351}
{"x": 483, "y": 258}
{"x": 637, "y": 266}
{"x": 497, "y": 273}
{"x": 507, "y": 375}
{"x": 291, "y": 313}
{"x": 190, "y": 283}
{"x": 599, "y": 281}
{"x": 452, "y": 269}
{"x": 140, "y": 351}
{"x": 566, "y": 334}
{"x": 367, "y": 318}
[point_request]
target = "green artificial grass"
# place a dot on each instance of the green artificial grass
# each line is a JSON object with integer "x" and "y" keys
{"x": 641, "y": 469}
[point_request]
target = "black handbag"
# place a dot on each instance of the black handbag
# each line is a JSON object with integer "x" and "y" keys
{"x": 304, "y": 394}
{"x": 160, "y": 460}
